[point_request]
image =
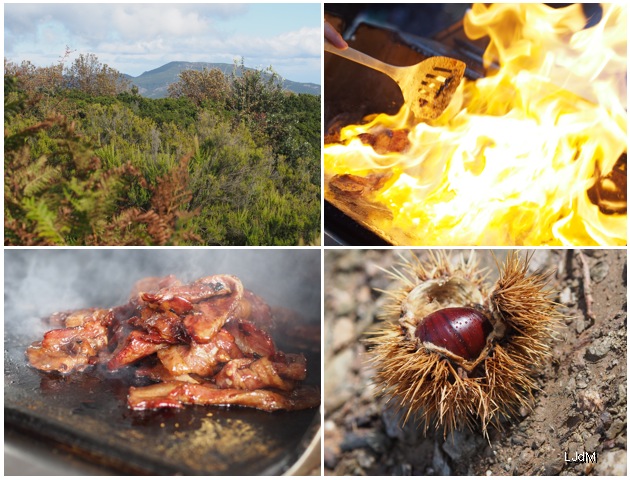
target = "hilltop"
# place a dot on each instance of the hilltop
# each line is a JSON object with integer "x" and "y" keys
{"x": 154, "y": 83}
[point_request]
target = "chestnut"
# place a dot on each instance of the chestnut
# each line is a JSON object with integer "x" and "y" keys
{"x": 462, "y": 331}
{"x": 455, "y": 351}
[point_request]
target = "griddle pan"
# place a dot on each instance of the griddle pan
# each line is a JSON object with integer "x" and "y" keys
{"x": 86, "y": 413}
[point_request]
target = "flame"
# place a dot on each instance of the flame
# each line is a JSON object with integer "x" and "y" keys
{"x": 512, "y": 158}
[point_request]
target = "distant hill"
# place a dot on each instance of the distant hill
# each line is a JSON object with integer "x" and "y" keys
{"x": 154, "y": 83}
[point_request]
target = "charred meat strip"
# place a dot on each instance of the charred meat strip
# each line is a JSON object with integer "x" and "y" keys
{"x": 251, "y": 340}
{"x": 250, "y": 374}
{"x": 71, "y": 349}
{"x": 135, "y": 346}
{"x": 200, "y": 358}
{"x": 176, "y": 394}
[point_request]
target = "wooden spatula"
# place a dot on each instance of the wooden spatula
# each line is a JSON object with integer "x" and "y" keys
{"x": 426, "y": 87}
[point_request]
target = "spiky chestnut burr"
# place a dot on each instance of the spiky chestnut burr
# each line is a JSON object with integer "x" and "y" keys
{"x": 456, "y": 352}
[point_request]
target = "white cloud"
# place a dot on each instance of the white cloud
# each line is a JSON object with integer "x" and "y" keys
{"x": 137, "y": 37}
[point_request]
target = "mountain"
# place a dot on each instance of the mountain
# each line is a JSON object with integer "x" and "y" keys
{"x": 154, "y": 83}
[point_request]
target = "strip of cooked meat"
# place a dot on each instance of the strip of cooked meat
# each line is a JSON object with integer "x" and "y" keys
{"x": 208, "y": 318}
{"x": 153, "y": 285}
{"x": 250, "y": 374}
{"x": 73, "y": 348}
{"x": 203, "y": 359}
{"x": 136, "y": 345}
{"x": 167, "y": 324}
{"x": 158, "y": 373}
{"x": 251, "y": 340}
{"x": 71, "y": 318}
{"x": 202, "y": 289}
{"x": 176, "y": 394}
{"x": 198, "y": 310}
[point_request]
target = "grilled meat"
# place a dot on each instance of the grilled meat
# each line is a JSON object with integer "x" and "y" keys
{"x": 176, "y": 394}
{"x": 206, "y": 342}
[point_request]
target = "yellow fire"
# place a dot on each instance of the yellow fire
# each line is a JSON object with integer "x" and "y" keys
{"x": 511, "y": 159}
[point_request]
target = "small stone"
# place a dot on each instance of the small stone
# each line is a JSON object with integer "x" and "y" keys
{"x": 612, "y": 463}
{"x": 402, "y": 470}
{"x": 566, "y": 297}
{"x": 331, "y": 459}
{"x": 540, "y": 261}
{"x": 615, "y": 429}
{"x": 580, "y": 324}
{"x": 350, "y": 260}
{"x": 599, "y": 271}
{"x": 354, "y": 441}
{"x": 440, "y": 465}
{"x": 337, "y": 385}
{"x": 343, "y": 333}
{"x": 364, "y": 294}
{"x": 590, "y": 401}
{"x": 461, "y": 444}
{"x": 488, "y": 473}
{"x": 344, "y": 303}
{"x": 581, "y": 384}
{"x": 365, "y": 458}
{"x": 598, "y": 350}
{"x": 622, "y": 395}
{"x": 554, "y": 466}
{"x": 605, "y": 419}
{"x": 392, "y": 423}
{"x": 591, "y": 443}
{"x": 525, "y": 459}
{"x": 378, "y": 442}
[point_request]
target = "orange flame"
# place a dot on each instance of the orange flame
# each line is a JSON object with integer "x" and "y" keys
{"x": 512, "y": 158}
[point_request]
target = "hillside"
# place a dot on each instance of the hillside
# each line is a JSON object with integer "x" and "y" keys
{"x": 154, "y": 83}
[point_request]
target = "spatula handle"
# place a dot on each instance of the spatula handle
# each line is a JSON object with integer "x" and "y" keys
{"x": 360, "y": 57}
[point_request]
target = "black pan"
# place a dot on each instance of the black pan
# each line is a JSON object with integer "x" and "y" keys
{"x": 86, "y": 414}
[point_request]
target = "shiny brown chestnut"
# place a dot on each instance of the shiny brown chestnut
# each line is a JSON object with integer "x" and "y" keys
{"x": 460, "y": 330}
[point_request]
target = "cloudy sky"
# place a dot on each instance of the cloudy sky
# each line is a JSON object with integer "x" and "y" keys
{"x": 134, "y": 38}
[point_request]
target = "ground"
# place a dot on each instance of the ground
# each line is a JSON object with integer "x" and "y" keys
{"x": 581, "y": 405}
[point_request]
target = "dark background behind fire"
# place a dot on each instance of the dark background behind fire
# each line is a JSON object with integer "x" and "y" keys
{"x": 86, "y": 413}
{"x": 424, "y": 19}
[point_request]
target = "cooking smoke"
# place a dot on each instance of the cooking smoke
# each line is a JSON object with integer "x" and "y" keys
{"x": 41, "y": 282}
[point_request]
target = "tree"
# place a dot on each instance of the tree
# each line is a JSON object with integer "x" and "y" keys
{"x": 255, "y": 91}
{"x": 90, "y": 76}
{"x": 36, "y": 80}
{"x": 201, "y": 86}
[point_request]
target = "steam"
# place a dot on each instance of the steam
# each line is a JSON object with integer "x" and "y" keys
{"x": 41, "y": 282}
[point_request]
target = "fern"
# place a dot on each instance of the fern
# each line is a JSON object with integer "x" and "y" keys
{"x": 44, "y": 219}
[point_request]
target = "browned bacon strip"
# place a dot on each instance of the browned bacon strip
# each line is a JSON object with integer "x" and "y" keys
{"x": 250, "y": 374}
{"x": 251, "y": 340}
{"x": 167, "y": 325}
{"x": 74, "y": 348}
{"x": 200, "y": 358}
{"x": 209, "y": 316}
{"x": 135, "y": 346}
{"x": 153, "y": 285}
{"x": 202, "y": 289}
{"x": 71, "y": 318}
{"x": 176, "y": 394}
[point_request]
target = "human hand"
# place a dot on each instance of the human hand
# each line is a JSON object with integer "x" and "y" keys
{"x": 334, "y": 37}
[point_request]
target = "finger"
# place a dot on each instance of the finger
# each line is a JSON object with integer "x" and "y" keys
{"x": 334, "y": 37}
